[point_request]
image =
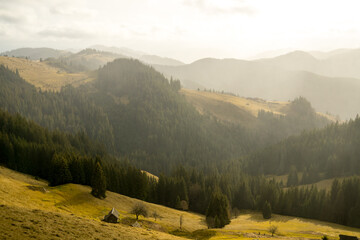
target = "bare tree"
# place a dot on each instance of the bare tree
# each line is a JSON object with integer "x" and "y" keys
{"x": 273, "y": 229}
{"x": 139, "y": 209}
{"x": 184, "y": 205}
{"x": 155, "y": 215}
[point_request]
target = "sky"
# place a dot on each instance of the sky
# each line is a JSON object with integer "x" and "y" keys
{"x": 182, "y": 29}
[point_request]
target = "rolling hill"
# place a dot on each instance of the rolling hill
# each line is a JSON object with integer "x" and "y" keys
{"x": 271, "y": 82}
{"x": 144, "y": 57}
{"x": 231, "y": 108}
{"x": 32, "y": 209}
{"x": 140, "y": 110}
{"x": 43, "y": 76}
{"x": 338, "y": 63}
{"x": 36, "y": 53}
{"x": 85, "y": 60}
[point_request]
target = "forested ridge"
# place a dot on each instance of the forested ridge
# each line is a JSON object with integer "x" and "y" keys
{"x": 156, "y": 127}
{"x": 68, "y": 110}
{"x": 209, "y": 166}
{"x": 326, "y": 153}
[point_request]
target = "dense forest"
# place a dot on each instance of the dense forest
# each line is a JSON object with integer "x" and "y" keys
{"x": 64, "y": 158}
{"x": 326, "y": 153}
{"x": 68, "y": 110}
{"x": 138, "y": 113}
{"x": 208, "y": 166}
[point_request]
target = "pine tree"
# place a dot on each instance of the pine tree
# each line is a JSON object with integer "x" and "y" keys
{"x": 293, "y": 179}
{"x": 266, "y": 210}
{"x": 98, "y": 182}
{"x": 218, "y": 210}
{"x": 60, "y": 173}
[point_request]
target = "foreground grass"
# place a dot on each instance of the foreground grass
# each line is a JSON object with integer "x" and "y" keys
{"x": 31, "y": 209}
{"x": 24, "y": 199}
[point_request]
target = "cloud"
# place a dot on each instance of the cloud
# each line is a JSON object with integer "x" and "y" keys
{"x": 66, "y": 33}
{"x": 221, "y": 7}
{"x": 8, "y": 18}
{"x": 71, "y": 11}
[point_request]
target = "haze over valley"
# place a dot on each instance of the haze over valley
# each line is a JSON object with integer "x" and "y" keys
{"x": 179, "y": 120}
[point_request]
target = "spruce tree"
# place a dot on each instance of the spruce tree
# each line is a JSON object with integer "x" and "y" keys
{"x": 98, "y": 182}
{"x": 218, "y": 210}
{"x": 293, "y": 179}
{"x": 266, "y": 211}
{"x": 60, "y": 173}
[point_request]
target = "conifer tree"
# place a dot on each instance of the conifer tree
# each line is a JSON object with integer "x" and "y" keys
{"x": 293, "y": 179}
{"x": 60, "y": 173}
{"x": 266, "y": 210}
{"x": 218, "y": 210}
{"x": 98, "y": 182}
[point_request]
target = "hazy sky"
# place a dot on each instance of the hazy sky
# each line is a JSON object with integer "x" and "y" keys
{"x": 182, "y": 29}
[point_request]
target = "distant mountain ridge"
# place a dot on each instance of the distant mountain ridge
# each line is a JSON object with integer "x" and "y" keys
{"x": 281, "y": 78}
{"x": 142, "y": 56}
{"x": 85, "y": 60}
{"x": 36, "y": 53}
{"x": 340, "y": 63}
{"x": 330, "y": 83}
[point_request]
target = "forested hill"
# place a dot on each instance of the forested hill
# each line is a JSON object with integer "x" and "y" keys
{"x": 155, "y": 126}
{"x": 330, "y": 152}
{"x": 68, "y": 110}
{"x": 159, "y": 129}
{"x": 136, "y": 112}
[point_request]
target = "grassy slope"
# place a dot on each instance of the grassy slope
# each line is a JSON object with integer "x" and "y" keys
{"x": 42, "y": 75}
{"x": 234, "y": 109}
{"x": 70, "y": 212}
{"x": 22, "y": 199}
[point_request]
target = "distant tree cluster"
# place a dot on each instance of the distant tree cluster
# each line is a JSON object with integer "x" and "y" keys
{"x": 319, "y": 154}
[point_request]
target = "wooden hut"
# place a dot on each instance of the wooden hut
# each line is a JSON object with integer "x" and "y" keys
{"x": 112, "y": 216}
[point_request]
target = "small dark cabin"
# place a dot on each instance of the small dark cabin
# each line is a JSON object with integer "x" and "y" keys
{"x": 112, "y": 216}
{"x": 345, "y": 237}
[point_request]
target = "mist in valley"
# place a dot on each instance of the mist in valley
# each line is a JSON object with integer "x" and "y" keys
{"x": 180, "y": 119}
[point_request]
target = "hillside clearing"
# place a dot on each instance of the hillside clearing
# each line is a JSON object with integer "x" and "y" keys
{"x": 42, "y": 75}
{"x": 253, "y": 106}
{"x": 235, "y": 109}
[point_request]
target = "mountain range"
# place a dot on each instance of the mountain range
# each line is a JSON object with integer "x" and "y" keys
{"x": 329, "y": 80}
{"x": 330, "y": 84}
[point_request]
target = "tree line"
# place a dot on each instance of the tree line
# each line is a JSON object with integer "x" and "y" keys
{"x": 64, "y": 158}
{"x": 318, "y": 154}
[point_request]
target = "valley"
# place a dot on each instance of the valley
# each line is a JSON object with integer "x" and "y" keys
{"x": 218, "y": 148}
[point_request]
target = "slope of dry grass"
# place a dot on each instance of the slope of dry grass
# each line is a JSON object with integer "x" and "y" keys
{"x": 31, "y": 209}
{"x": 235, "y": 109}
{"x": 26, "y": 200}
{"x": 42, "y": 75}
{"x": 251, "y": 105}
{"x": 250, "y": 224}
